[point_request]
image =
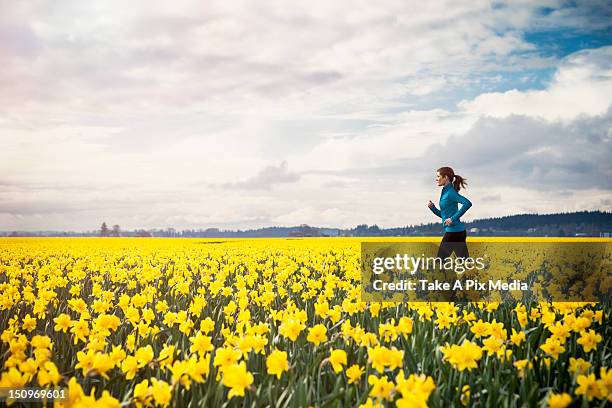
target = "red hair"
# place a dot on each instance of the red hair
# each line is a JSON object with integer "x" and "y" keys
{"x": 457, "y": 181}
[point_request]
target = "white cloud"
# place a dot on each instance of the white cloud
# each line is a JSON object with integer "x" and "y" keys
{"x": 424, "y": 86}
{"x": 582, "y": 85}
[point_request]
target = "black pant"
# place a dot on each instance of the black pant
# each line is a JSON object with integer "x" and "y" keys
{"x": 453, "y": 242}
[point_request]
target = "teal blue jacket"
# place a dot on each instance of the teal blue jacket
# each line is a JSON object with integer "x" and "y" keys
{"x": 449, "y": 208}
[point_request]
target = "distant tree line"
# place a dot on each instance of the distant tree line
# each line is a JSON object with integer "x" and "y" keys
{"x": 525, "y": 221}
{"x": 581, "y": 223}
{"x": 588, "y": 223}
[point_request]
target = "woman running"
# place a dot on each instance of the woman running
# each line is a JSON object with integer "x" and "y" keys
{"x": 454, "y": 230}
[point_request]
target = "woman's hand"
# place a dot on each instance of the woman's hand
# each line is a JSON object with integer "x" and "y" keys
{"x": 430, "y": 204}
{"x": 448, "y": 221}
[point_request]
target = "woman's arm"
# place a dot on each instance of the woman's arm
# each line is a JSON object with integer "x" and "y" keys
{"x": 435, "y": 211}
{"x": 466, "y": 204}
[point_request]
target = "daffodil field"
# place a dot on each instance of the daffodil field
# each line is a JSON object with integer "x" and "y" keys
{"x": 274, "y": 323}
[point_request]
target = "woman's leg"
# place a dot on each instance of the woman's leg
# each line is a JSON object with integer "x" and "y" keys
{"x": 461, "y": 249}
{"x": 445, "y": 250}
{"x": 453, "y": 242}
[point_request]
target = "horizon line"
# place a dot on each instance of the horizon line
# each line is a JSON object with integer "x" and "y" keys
{"x": 295, "y": 226}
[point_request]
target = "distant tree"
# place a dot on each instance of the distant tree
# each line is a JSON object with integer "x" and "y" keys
{"x": 104, "y": 230}
{"x": 361, "y": 230}
{"x": 143, "y": 233}
{"x": 374, "y": 229}
{"x": 116, "y": 231}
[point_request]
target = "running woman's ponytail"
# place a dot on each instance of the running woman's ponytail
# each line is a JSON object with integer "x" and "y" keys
{"x": 457, "y": 180}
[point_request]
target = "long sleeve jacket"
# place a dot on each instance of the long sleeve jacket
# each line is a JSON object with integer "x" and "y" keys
{"x": 449, "y": 200}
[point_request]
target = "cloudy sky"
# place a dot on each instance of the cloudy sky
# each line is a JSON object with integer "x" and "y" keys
{"x": 242, "y": 114}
